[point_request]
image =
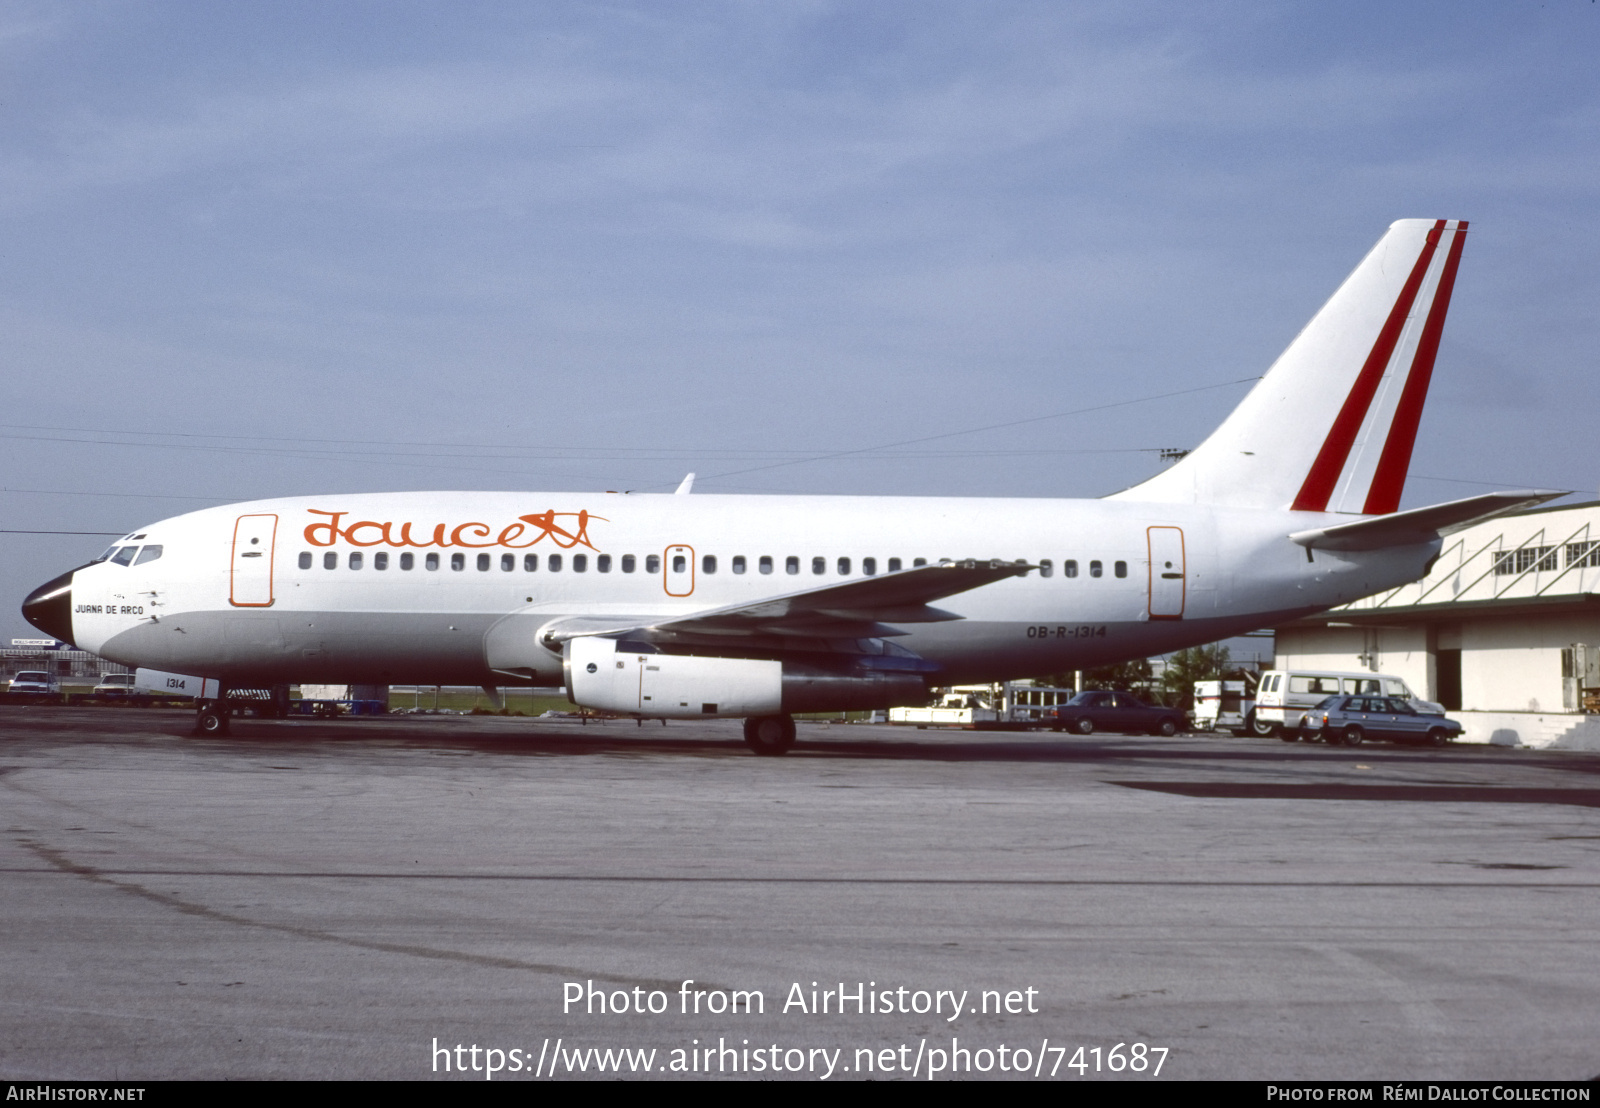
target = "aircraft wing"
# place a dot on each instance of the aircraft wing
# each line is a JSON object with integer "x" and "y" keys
{"x": 1420, "y": 524}
{"x": 865, "y": 608}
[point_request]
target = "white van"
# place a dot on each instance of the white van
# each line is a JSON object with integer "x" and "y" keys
{"x": 1284, "y": 696}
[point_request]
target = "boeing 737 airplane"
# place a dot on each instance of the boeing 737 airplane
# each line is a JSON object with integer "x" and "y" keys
{"x": 757, "y": 607}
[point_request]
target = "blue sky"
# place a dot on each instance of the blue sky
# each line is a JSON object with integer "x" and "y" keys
{"x": 262, "y": 249}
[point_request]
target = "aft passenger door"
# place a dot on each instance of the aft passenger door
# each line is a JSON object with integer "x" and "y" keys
{"x": 1167, "y": 573}
{"x": 250, "y": 575}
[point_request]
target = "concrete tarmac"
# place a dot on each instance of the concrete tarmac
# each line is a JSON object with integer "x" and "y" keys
{"x": 356, "y": 898}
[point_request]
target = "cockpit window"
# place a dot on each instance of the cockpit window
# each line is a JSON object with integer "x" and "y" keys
{"x": 124, "y": 556}
{"x": 110, "y": 550}
{"x": 148, "y": 554}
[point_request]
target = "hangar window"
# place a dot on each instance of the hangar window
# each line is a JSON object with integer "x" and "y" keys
{"x": 407, "y": 560}
{"x": 530, "y": 563}
{"x": 819, "y": 565}
{"x": 603, "y": 563}
{"x": 738, "y": 563}
{"x": 1120, "y": 569}
{"x": 553, "y": 563}
{"x": 1583, "y": 553}
{"x": 627, "y": 563}
{"x": 765, "y": 564}
{"x": 1095, "y": 569}
{"x": 148, "y": 554}
{"x": 305, "y": 559}
{"x": 431, "y": 562}
{"x": 508, "y": 563}
{"x": 483, "y": 563}
{"x": 580, "y": 563}
{"x": 1045, "y": 567}
{"x": 894, "y": 565}
{"x": 708, "y": 563}
{"x": 380, "y": 560}
{"x": 791, "y": 564}
{"x": 1069, "y": 568}
{"x": 458, "y": 562}
{"x": 869, "y": 566}
{"x": 844, "y": 567}
{"x": 652, "y": 563}
{"x": 330, "y": 560}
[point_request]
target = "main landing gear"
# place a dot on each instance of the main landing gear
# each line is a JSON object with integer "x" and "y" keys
{"x": 211, "y": 718}
{"x": 769, "y": 735}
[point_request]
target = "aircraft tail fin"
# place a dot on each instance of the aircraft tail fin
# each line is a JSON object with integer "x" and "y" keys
{"x": 1331, "y": 426}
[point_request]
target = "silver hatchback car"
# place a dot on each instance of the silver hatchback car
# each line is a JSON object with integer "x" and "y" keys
{"x": 1352, "y": 720}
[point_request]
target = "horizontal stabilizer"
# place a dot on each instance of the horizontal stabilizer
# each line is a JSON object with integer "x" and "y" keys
{"x": 1420, "y": 524}
{"x": 855, "y": 609}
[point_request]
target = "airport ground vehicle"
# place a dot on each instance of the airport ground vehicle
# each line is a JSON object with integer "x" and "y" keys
{"x": 1222, "y": 704}
{"x": 760, "y": 607}
{"x": 1284, "y": 696}
{"x": 1352, "y": 720}
{"x": 118, "y": 685}
{"x": 36, "y": 682}
{"x": 1089, "y": 712}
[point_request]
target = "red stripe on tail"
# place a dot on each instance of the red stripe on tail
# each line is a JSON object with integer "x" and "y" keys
{"x": 1390, "y": 479}
{"x": 1330, "y": 461}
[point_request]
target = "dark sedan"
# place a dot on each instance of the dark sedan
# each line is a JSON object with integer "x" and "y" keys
{"x": 1089, "y": 712}
{"x": 1352, "y": 720}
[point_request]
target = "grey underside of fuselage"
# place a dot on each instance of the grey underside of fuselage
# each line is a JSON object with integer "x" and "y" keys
{"x": 263, "y": 648}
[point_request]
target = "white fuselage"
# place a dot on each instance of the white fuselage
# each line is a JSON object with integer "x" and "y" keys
{"x": 322, "y": 592}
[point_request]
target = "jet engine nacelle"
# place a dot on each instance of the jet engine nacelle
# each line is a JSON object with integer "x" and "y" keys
{"x": 602, "y": 676}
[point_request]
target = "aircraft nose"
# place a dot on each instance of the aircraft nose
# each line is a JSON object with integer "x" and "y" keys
{"x": 49, "y": 607}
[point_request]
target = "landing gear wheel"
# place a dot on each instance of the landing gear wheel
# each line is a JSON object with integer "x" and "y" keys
{"x": 1263, "y": 729}
{"x": 1084, "y": 727}
{"x": 1353, "y": 736}
{"x": 211, "y": 720}
{"x": 769, "y": 735}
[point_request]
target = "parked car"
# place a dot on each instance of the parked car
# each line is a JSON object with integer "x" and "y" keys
{"x": 116, "y": 684}
{"x": 35, "y": 681}
{"x": 1352, "y": 720}
{"x": 1089, "y": 712}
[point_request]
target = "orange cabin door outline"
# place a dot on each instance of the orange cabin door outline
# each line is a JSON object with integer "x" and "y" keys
{"x": 250, "y": 571}
{"x": 1168, "y": 577}
{"x": 677, "y": 571}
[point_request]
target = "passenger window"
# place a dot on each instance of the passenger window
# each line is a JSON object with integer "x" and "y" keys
{"x": 148, "y": 554}
{"x": 305, "y": 559}
{"x": 894, "y": 565}
{"x": 380, "y": 560}
{"x": 628, "y": 563}
{"x": 819, "y": 565}
{"x": 679, "y": 563}
{"x": 508, "y": 563}
{"x": 1120, "y": 569}
{"x": 407, "y": 560}
{"x": 1045, "y": 568}
{"x": 355, "y": 559}
{"x": 603, "y": 563}
{"x": 553, "y": 563}
{"x": 708, "y": 563}
{"x": 1069, "y": 568}
{"x": 652, "y": 563}
{"x": 738, "y": 563}
{"x": 530, "y": 563}
{"x": 483, "y": 563}
{"x": 844, "y": 567}
{"x": 431, "y": 561}
{"x": 1095, "y": 569}
{"x": 124, "y": 556}
{"x": 330, "y": 560}
{"x": 765, "y": 565}
{"x": 580, "y": 563}
{"x": 869, "y": 566}
{"x": 458, "y": 562}
{"x": 918, "y": 562}
{"x": 791, "y": 564}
